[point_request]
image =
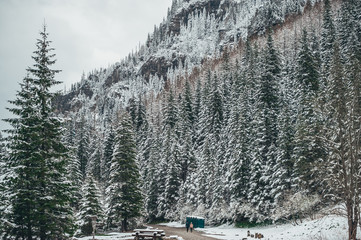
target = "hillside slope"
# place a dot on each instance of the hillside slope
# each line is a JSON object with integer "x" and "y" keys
{"x": 193, "y": 32}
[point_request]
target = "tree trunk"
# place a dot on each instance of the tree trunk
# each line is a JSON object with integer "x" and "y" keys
{"x": 352, "y": 215}
{"x": 124, "y": 225}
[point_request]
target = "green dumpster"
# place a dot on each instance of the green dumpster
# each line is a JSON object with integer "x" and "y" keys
{"x": 198, "y": 222}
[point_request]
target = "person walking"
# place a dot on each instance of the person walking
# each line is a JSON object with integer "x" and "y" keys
{"x": 191, "y": 226}
{"x": 187, "y": 225}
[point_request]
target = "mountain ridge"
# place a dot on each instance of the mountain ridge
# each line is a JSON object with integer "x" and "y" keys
{"x": 194, "y": 32}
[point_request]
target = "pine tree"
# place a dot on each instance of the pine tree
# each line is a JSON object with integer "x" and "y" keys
{"x": 151, "y": 180}
{"x": 4, "y": 198}
{"x": 73, "y": 167}
{"x": 197, "y": 102}
{"x": 309, "y": 150}
{"x": 141, "y": 121}
{"x": 3, "y": 154}
{"x": 307, "y": 70}
{"x": 91, "y": 206}
{"x": 265, "y": 120}
{"x": 240, "y": 163}
{"x": 186, "y": 132}
{"x": 269, "y": 89}
{"x": 83, "y": 149}
{"x": 173, "y": 176}
{"x": 203, "y": 125}
{"x": 216, "y": 110}
{"x": 123, "y": 193}
{"x": 227, "y": 83}
{"x": 93, "y": 167}
{"x": 328, "y": 34}
{"x": 144, "y": 138}
{"x": 41, "y": 194}
{"x": 170, "y": 111}
{"x": 283, "y": 170}
{"x": 107, "y": 154}
{"x": 133, "y": 111}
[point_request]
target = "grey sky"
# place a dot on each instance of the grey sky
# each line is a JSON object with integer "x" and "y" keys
{"x": 86, "y": 35}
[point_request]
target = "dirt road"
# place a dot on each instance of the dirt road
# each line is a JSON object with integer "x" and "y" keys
{"x": 181, "y": 232}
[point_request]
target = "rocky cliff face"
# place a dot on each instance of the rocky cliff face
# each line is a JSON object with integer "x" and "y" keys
{"x": 194, "y": 31}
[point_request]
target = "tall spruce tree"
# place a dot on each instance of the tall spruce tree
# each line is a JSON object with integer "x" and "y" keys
{"x": 40, "y": 192}
{"x": 328, "y": 35}
{"x": 151, "y": 181}
{"x": 4, "y": 198}
{"x": 83, "y": 150}
{"x": 309, "y": 151}
{"x": 307, "y": 69}
{"x": 268, "y": 108}
{"x": 123, "y": 193}
{"x": 93, "y": 167}
{"x": 91, "y": 206}
{"x": 107, "y": 154}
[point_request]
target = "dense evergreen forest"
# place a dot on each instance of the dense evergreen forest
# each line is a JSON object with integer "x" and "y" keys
{"x": 270, "y": 135}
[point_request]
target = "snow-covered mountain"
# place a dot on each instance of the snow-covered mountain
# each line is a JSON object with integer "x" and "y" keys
{"x": 194, "y": 32}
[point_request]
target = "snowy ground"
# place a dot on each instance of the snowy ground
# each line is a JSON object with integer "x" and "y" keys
{"x": 326, "y": 228}
{"x": 111, "y": 236}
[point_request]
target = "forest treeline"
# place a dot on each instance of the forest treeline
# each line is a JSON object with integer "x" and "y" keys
{"x": 273, "y": 135}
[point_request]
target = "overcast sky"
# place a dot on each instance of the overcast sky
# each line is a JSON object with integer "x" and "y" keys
{"x": 86, "y": 35}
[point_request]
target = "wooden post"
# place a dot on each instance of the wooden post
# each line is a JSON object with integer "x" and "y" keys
{"x": 137, "y": 236}
{"x": 154, "y": 236}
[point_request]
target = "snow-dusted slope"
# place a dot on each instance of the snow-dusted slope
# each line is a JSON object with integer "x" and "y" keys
{"x": 330, "y": 227}
{"x": 193, "y": 31}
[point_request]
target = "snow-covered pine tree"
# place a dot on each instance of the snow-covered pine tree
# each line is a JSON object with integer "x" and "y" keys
{"x": 93, "y": 167}
{"x": 90, "y": 206}
{"x": 132, "y": 109}
{"x": 283, "y": 170}
{"x": 187, "y": 153}
{"x": 328, "y": 34}
{"x": 170, "y": 111}
{"x": 4, "y": 198}
{"x": 153, "y": 179}
{"x": 203, "y": 125}
{"x": 216, "y": 110}
{"x": 349, "y": 31}
{"x": 40, "y": 192}
{"x": 308, "y": 75}
{"x": 215, "y": 135}
{"x": 186, "y": 132}
{"x": 173, "y": 175}
{"x": 197, "y": 104}
{"x": 124, "y": 196}
{"x": 83, "y": 149}
{"x": 107, "y": 154}
{"x": 141, "y": 120}
{"x": 240, "y": 127}
{"x": 227, "y": 82}
{"x": 268, "y": 107}
{"x": 309, "y": 150}
{"x": 270, "y": 80}
{"x": 144, "y": 138}
{"x": 164, "y": 156}
{"x": 74, "y": 172}
{"x": 284, "y": 178}
{"x": 205, "y": 173}
{"x": 3, "y": 153}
